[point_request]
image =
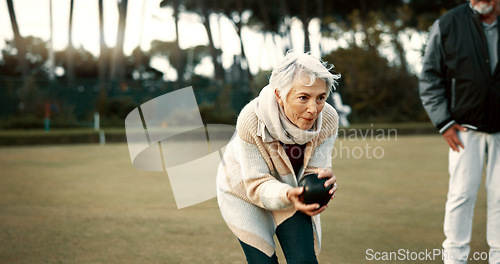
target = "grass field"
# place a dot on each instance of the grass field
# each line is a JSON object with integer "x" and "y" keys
{"x": 88, "y": 204}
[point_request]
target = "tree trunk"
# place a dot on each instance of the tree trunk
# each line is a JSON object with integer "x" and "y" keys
{"x": 139, "y": 63}
{"x": 268, "y": 30}
{"x": 305, "y": 23}
{"x": 321, "y": 16}
{"x": 286, "y": 12}
{"x": 103, "y": 62}
{"x": 178, "y": 59}
{"x": 218, "y": 69}
{"x": 51, "y": 58}
{"x": 239, "y": 27}
{"x": 18, "y": 41}
{"x": 400, "y": 50}
{"x": 265, "y": 14}
{"x": 117, "y": 62}
{"x": 70, "y": 65}
{"x": 103, "y": 49}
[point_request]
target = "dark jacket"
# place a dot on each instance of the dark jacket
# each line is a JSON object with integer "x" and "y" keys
{"x": 456, "y": 83}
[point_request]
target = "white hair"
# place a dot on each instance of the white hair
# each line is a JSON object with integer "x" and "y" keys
{"x": 294, "y": 64}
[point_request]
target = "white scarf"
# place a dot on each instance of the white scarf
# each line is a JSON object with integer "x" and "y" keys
{"x": 274, "y": 125}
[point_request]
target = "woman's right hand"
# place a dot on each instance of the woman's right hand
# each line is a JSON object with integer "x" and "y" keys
{"x": 308, "y": 209}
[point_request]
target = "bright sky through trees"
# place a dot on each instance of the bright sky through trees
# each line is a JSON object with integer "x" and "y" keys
{"x": 154, "y": 23}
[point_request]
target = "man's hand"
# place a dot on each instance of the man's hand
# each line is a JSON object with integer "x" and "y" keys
{"x": 451, "y": 137}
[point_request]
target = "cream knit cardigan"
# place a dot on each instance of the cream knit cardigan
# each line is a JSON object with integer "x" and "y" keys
{"x": 254, "y": 176}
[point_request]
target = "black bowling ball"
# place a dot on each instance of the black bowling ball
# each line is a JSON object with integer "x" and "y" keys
{"x": 314, "y": 190}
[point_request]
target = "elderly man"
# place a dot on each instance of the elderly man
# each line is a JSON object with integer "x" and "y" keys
{"x": 460, "y": 90}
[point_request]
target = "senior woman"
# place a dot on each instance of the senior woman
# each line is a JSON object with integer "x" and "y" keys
{"x": 286, "y": 132}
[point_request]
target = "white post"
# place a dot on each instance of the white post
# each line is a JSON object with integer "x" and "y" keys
{"x": 102, "y": 138}
{"x": 96, "y": 121}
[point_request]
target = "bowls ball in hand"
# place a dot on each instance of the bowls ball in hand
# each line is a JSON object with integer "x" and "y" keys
{"x": 314, "y": 190}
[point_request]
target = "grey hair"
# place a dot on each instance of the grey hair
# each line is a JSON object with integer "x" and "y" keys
{"x": 294, "y": 64}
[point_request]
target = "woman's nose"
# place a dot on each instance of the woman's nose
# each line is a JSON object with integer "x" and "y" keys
{"x": 312, "y": 107}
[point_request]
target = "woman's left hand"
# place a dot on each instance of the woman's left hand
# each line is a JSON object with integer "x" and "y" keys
{"x": 313, "y": 209}
{"x": 309, "y": 209}
{"x": 328, "y": 173}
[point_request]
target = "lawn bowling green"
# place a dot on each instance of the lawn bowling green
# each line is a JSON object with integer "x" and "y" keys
{"x": 88, "y": 204}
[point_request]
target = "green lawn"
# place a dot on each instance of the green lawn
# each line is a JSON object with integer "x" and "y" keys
{"x": 88, "y": 204}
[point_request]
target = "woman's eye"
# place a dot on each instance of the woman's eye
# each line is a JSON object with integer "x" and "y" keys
{"x": 322, "y": 98}
{"x": 302, "y": 98}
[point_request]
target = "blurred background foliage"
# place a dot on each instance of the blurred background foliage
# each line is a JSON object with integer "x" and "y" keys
{"x": 377, "y": 80}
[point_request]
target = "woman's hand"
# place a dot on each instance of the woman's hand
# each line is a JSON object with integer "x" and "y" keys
{"x": 308, "y": 209}
{"x": 313, "y": 209}
{"x": 328, "y": 173}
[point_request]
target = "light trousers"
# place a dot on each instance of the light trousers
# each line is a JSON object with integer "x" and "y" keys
{"x": 466, "y": 170}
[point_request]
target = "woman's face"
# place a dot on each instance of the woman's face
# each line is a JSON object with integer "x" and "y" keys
{"x": 304, "y": 103}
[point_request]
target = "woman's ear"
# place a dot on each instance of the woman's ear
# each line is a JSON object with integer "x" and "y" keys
{"x": 278, "y": 98}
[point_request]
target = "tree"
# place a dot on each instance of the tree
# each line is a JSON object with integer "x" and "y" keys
{"x": 376, "y": 91}
{"x": 70, "y": 66}
{"x": 376, "y": 88}
{"x": 26, "y": 94}
{"x": 286, "y": 22}
{"x": 18, "y": 40}
{"x": 305, "y": 11}
{"x": 51, "y": 60}
{"x": 117, "y": 70}
{"x": 84, "y": 63}
{"x": 138, "y": 66}
{"x": 305, "y": 18}
{"x": 175, "y": 57}
{"x": 168, "y": 50}
{"x": 426, "y": 12}
{"x": 35, "y": 54}
{"x": 204, "y": 11}
{"x": 104, "y": 51}
{"x": 270, "y": 16}
{"x": 205, "y": 8}
{"x": 138, "y": 53}
{"x": 233, "y": 10}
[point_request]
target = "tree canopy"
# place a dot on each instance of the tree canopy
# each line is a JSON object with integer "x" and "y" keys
{"x": 379, "y": 87}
